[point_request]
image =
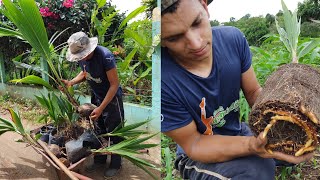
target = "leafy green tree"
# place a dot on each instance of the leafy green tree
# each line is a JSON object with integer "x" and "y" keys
{"x": 247, "y": 16}
{"x": 310, "y": 29}
{"x": 232, "y": 19}
{"x": 150, "y": 4}
{"x": 309, "y": 9}
{"x": 214, "y": 23}
{"x": 269, "y": 19}
{"x": 254, "y": 28}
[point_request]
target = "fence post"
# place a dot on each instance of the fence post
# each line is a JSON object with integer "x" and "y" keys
{"x": 156, "y": 74}
{"x": 2, "y": 69}
{"x": 44, "y": 66}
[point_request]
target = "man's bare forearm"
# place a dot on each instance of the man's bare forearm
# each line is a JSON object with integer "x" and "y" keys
{"x": 212, "y": 148}
{"x": 78, "y": 79}
{"x": 217, "y": 148}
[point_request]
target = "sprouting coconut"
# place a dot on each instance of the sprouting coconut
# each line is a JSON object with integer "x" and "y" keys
{"x": 86, "y": 109}
{"x": 288, "y": 108}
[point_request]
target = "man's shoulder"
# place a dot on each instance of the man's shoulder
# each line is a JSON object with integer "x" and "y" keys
{"x": 225, "y": 30}
{"x": 103, "y": 50}
{"x": 226, "y": 33}
{"x": 104, "y": 54}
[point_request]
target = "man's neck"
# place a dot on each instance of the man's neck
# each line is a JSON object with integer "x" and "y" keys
{"x": 200, "y": 68}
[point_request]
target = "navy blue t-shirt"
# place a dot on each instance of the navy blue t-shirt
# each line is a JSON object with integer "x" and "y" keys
{"x": 96, "y": 71}
{"x": 212, "y": 102}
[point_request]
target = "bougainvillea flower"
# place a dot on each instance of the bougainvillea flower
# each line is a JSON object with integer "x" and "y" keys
{"x": 45, "y": 12}
{"x": 68, "y": 3}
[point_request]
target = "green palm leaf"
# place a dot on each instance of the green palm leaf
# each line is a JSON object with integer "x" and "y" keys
{"x": 30, "y": 24}
{"x": 9, "y": 32}
{"x": 143, "y": 168}
{"x": 17, "y": 121}
{"x": 126, "y": 153}
{"x": 130, "y": 127}
{"x": 132, "y": 15}
{"x": 142, "y": 146}
{"x": 5, "y": 127}
{"x": 32, "y": 79}
{"x": 128, "y": 131}
{"x": 311, "y": 45}
{"x": 6, "y": 122}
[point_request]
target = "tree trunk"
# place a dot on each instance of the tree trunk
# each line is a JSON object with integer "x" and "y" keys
{"x": 288, "y": 110}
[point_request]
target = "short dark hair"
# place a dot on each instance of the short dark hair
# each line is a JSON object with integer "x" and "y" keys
{"x": 172, "y": 8}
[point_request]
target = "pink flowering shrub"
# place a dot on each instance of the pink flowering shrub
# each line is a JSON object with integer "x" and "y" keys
{"x": 60, "y": 14}
{"x": 76, "y": 14}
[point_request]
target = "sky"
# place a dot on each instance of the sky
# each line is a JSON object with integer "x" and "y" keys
{"x": 223, "y": 10}
{"x": 128, "y": 6}
{"x": 124, "y": 5}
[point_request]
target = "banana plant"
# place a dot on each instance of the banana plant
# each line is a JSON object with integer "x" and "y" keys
{"x": 26, "y": 17}
{"x": 289, "y": 35}
{"x": 130, "y": 147}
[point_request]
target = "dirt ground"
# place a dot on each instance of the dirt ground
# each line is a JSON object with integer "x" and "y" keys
{"x": 20, "y": 162}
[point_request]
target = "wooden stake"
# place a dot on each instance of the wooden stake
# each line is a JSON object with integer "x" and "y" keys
{"x": 57, "y": 161}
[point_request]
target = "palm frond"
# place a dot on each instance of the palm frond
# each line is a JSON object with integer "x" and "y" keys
{"x": 128, "y": 131}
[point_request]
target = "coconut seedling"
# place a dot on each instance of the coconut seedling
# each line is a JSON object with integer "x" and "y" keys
{"x": 288, "y": 109}
{"x": 15, "y": 125}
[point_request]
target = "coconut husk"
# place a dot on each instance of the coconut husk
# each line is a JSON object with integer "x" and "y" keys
{"x": 288, "y": 110}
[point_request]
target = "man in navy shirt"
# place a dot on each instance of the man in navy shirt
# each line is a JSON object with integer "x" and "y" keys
{"x": 99, "y": 69}
{"x": 203, "y": 70}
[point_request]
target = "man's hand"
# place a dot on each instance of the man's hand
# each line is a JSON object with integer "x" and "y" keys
{"x": 96, "y": 113}
{"x": 257, "y": 145}
{"x": 66, "y": 82}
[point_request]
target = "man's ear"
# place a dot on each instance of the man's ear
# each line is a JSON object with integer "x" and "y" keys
{"x": 205, "y": 6}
